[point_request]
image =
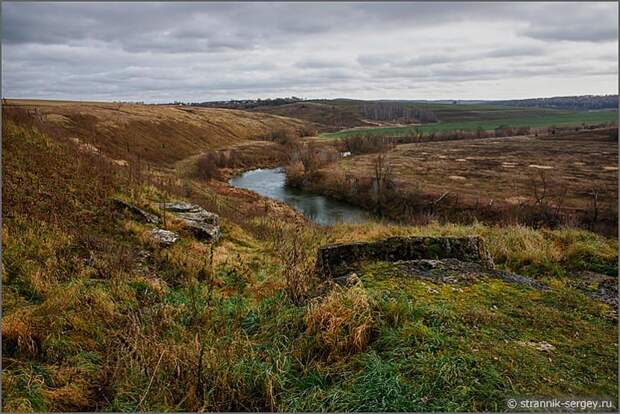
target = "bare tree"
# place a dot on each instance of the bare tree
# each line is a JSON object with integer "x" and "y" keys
{"x": 383, "y": 179}
{"x": 595, "y": 204}
{"x": 540, "y": 188}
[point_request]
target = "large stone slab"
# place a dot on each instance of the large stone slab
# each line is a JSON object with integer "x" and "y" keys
{"x": 336, "y": 260}
{"x": 202, "y": 223}
{"x": 138, "y": 213}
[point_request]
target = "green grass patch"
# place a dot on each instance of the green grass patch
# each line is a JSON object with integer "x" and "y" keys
{"x": 489, "y": 121}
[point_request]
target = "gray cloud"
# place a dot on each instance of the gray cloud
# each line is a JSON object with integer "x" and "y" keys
{"x": 201, "y": 51}
{"x": 575, "y": 33}
{"x": 515, "y": 51}
{"x": 319, "y": 63}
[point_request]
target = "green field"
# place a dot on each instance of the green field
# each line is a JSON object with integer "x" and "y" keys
{"x": 488, "y": 117}
{"x": 474, "y": 112}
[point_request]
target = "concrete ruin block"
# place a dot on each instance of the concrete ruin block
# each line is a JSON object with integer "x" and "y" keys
{"x": 336, "y": 260}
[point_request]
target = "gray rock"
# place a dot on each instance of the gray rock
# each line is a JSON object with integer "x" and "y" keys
{"x": 164, "y": 237}
{"x": 519, "y": 280}
{"x": 597, "y": 286}
{"x": 135, "y": 211}
{"x": 340, "y": 259}
{"x": 454, "y": 271}
{"x": 180, "y": 207}
{"x": 202, "y": 223}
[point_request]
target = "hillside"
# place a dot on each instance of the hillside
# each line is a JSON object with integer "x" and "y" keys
{"x": 325, "y": 116}
{"x": 335, "y": 114}
{"x": 97, "y": 315}
{"x": 152, "y": 133}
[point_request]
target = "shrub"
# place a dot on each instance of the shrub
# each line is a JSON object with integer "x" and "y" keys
{"x": 367, "y": 144}
{"x": 207, "y": 166}
{"x": 296, "y": 249}
{"x": 283, "y": 136}
{"x": 306, "y": 160}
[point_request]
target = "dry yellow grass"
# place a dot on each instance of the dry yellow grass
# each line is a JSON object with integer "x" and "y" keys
{"x": 481, "y": 170}
{"x": 342, "y": 322}
{"x": 160, "y": 134}
{"x": 17, "y": 329}
{"x": 98, "y": 319}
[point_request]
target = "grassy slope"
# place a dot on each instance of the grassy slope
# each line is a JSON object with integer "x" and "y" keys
{"x": 156, "y": 134}
{"x": 325, "y": 115}
{"x": 329, "y": 114}
{"x": 472, "y": 117}
{"x": 463, "y": 112}
{"x": 91, "y": 324}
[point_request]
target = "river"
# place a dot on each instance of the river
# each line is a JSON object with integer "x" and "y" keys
{"x": 271, "y": 182}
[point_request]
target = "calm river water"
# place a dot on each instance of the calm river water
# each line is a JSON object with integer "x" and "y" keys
{"x": 270, "y": 182}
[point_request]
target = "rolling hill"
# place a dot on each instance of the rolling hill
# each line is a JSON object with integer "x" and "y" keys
{"x": 152, "y": 133}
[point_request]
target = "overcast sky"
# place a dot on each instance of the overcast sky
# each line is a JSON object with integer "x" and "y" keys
{"x": 160, "y": 52}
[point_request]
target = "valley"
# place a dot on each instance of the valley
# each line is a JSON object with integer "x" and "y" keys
{"x": 99, "y": 314}
{"x": 401, "y": 206}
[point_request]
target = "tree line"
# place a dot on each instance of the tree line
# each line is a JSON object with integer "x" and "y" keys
{"x": 396, "y": 111}
{"x": 579, "y": 103}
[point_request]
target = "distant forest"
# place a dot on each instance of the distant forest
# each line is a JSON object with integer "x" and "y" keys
{"x": 579, "y": 103}
{"x": 243, "y": 103}
{"x": 396, "y": 111}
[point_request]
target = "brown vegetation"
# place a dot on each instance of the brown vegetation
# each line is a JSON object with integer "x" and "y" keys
{"x": 222, "y": 164}
{"x": 324, "y": 116}
{"x": 369, "y": 143}
{"x": 95, "y": 317}
{"x": 155, "y": 134}
{"x": 566, "y": 178}
{"x": 98, "y": 317}
{"x": 306, "y": 159}
{"x": 342, "y": 321}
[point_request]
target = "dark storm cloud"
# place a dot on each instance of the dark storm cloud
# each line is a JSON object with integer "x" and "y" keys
{"x": 163, "y": 51}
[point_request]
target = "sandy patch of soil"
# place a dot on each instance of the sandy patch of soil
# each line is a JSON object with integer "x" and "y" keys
{"x": 517, "y": 200}
{"x": 540, "y": 167}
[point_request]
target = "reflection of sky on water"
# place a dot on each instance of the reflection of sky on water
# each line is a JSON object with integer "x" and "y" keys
{"x": 320, "y": 209}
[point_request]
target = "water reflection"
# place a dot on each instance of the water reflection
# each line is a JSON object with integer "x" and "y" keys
{"x": 318, "y": 208}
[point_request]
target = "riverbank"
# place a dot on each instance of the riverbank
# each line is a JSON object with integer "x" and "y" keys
{"x": 547, "y": 181}
{"x": 322, "y": 210}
